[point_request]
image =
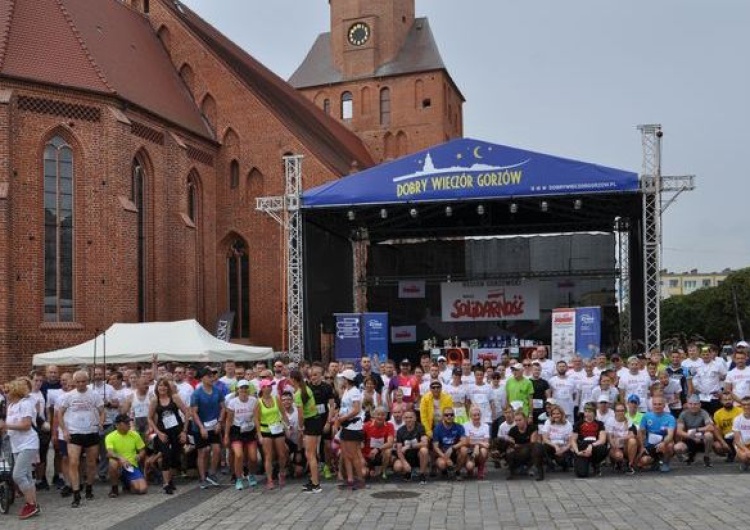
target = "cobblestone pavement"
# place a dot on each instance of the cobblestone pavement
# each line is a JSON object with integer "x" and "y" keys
{"x": 686, "y": 498}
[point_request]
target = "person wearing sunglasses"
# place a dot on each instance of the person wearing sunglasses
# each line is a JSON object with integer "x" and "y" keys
{"x": 431, "y": 405}
{"x": 450, "y": 445}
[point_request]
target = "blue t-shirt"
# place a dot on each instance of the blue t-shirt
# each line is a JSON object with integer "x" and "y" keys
{"x": 657, "y": 424}
{"x": 445, "y": 437}
{"x": 209, "y": 405}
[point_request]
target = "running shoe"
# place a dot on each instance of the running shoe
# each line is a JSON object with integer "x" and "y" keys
{"x": 238, "y": 484}
{"x": 630, "y": 470}
{"x": 204, "y": 485}
{"x": 707, "y": 461}
{"x": 76, "y": 499}
{"x": 664, "y": 467}
{"x": 212, "y": 480}
{"x": 422, "y": 479}
{"x": 252, "y": 481}
{"x": 29, "y": 510}
{"x": 65, "y": 491}
{"x": 307, "y": 487}
{"x": 89, "y": 493}
{"x": 315, "y": 489}
{"x": 270, "y": 485}
{"x": 168, "y": 489}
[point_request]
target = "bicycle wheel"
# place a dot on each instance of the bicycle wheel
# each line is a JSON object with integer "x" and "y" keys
{"x": 6, "y": 496}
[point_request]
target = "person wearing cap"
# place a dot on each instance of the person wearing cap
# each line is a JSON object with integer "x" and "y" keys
{"x": 125, "y": 448}
{"x": 446, "y": 370}
{"x": 695, "y": 432}
{"x": 207, "y": 408}
{"x": 241, "y": 435}
{"x": 588, "y": 442}
{"x": 633, "y": 413}
{"x": 635, "y": 382}
{"x": 519, "y": 388}
{"x": 407, "y": 383}
{"x": 269, "y": 417}
{"x": 707, "y": 381}
{"x": 457, "y": 391}
{"x": 738, "y": 378}
{"x": 622, "y": 437}
{"x": 603, "y": 411}
{"x": 656, "y": 432}
{"x": 165, "y": 419}
{"x": 350, "y": 418}
{"x": 430, "y": 405}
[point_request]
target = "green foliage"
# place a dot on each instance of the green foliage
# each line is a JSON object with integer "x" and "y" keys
{"x": 710, "y": 312}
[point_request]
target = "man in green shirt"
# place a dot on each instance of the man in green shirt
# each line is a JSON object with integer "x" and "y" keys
{"x": 125, "y": 448}
{"x": 519, "y": 390}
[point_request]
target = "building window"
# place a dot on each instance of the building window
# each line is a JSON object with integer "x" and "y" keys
{"x": 58, "y": 231}
{"x": 327, "y": 106}
{"x": 347, "y": 106}
{"x": 234, "y": 174}
{"x": 138, "y": 191}
{"x": 385, "y": 107}
{"x": 707, "y": 283}
{"x": 192, "y": 198}
{"x": 238, "y": 287}
{"x": 674, "y": 283}
{"x": 690, "y": 284}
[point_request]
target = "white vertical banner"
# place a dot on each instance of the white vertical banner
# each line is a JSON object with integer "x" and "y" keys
{"x": 411, "y": 289}
{"x": 563, "y": 334}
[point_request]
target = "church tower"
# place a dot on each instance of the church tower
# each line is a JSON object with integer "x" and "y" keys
{"x": 379, "y": 71}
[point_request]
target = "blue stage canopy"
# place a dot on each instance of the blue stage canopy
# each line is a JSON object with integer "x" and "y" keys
{"x": 466, "y": 169}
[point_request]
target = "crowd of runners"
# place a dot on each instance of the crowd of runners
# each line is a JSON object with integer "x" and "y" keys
{"x": 135, "y": 426}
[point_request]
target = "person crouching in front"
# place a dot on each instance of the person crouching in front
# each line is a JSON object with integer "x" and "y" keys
{"x": 124, "y": 449}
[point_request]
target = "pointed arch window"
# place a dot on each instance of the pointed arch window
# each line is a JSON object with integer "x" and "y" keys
{"x": 138, "y": 176}
{"x": 347, "y": 106}
{"x": 58, "y": 231}
{"x": 234, "y": 174}
{"x": 238, "y": 287}
{"x": 385, "y": 106}
{"x": 192, "y": 198}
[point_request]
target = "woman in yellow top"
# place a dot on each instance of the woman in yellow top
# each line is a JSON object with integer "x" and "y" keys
{"x": 431, "y": 404}
{"x": 272, "y": 422}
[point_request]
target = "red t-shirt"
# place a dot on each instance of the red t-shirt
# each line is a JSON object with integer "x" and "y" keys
{"x": 409, "y": 384}
{"x": 376, "y": 436}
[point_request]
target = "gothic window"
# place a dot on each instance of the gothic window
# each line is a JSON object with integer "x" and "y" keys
{"x": 327, "y": 106}
{"x": 238, "y": 287}
{"x": 234, "y": 174}
{"x": 58, "y": 231}
{"x": 138, "y": 195}
{"x": 385, "y": 107}
{"x": 347, "y": 106}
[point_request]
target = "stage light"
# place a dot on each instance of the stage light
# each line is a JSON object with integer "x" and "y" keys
{"x": 351, "y": 215}
{"x": 544, "y": 206}
{"x": 480, "y": 209}
{"x": 383, "y": 213}
{"x": 448, "y": 211}
{"x": 413, "y": 212}
{"x": 577, "y": 204}
{"x": 513, "y": 208}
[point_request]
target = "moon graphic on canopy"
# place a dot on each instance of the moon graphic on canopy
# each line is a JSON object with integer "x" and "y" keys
{"x": 476, "y": 153}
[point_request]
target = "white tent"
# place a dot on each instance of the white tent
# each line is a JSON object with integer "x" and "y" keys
{"x": 182, "y": 341}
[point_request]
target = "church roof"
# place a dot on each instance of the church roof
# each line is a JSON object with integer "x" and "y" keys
{"x": 337, "y": 146}
{"x": 419, "y": 53}
{"x": 110, "y": 49}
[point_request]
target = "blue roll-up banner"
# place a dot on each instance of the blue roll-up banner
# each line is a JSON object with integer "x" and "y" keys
{"x": 348, "y": 343}
{"x": 588, "y": 331}
{"x": 376, "y": 335}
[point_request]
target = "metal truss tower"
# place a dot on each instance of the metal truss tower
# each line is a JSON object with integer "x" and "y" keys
{"x": 622, "y": 229}
{"x": 286, "y": 211}
{"x": 653, "y": 187}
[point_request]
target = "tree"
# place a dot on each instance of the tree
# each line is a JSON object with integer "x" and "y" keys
{"x": 710, "y": 312}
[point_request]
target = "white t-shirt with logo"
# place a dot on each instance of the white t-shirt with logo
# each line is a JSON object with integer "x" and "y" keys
{"x": 16, "y": 413}
{"x": 475, "y": 435}
{"x": 638, "y": 384}
{"x": 740, "y": 380}
{"x": 351, "y": 396}
{"x": 741, "y": 425}
{"x": 82, "y": 411}
{"x": 244, "y": 412}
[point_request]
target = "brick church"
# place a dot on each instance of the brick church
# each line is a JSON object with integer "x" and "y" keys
{"x": 135, "y": 138}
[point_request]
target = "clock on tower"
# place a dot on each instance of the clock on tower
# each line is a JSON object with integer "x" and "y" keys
{"x": 359, "y": 34}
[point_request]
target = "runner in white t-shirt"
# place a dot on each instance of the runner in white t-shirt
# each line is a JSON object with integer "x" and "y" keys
{"x": 478, "y": 437}
{"x": 741, "y": 429}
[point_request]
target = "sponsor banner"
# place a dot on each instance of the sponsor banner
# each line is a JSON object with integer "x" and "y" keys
{"x": 376, "y": 335}
{"x": 478, "y": 355}
{"x": 348, "y": 341}
{"x": 411, "y": 289}
{"x": 403, "y": 334}
{"x": 563, "y": 334}
{"x": 588, "y": 331}
{"x": 224, "y": 326}
{"x": 489, "y": 301}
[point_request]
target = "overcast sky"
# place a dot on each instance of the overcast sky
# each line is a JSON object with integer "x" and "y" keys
{"x": 573, "y": 78}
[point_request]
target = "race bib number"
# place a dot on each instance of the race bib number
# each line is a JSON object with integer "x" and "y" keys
{"x": 211, "y": 425}
{"x": 321, "y": 409}
{"x": 406, "y": 390}
{"x": 276, "y": 428}
{"x": 538, "y": 403}
{"x": 247, "y": 426}
{"x": 170, "y": 421}
{"x": 563, "y": 393}
{"x": 377, "y": 443}
{"x": 480, "y": 399}
{"x": 654, "y": 439}
{"x": 140, "y": 410}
